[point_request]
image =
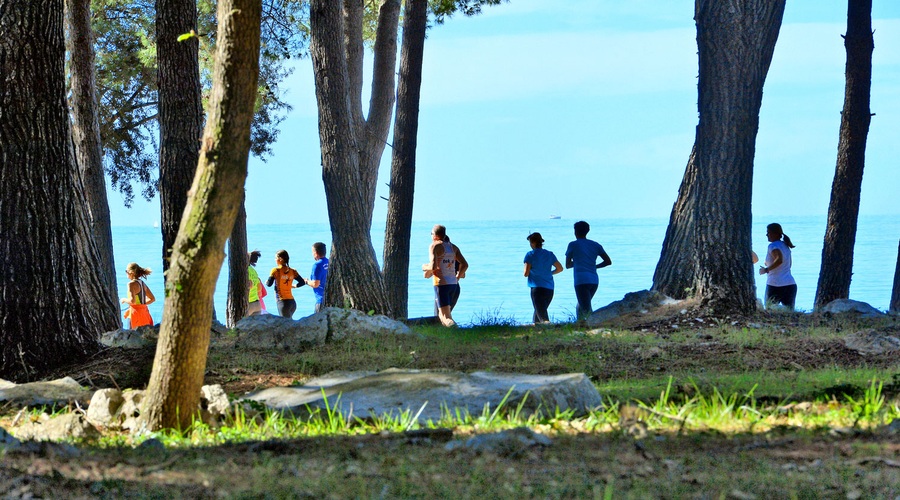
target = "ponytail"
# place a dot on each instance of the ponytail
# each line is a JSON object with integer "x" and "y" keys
{"x": 138, "y": 271}
{"x": 775, "y": 228}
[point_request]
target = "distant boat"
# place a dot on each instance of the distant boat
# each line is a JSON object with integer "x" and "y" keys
{"x": 552, "y": 216}
{"x": 156, "y": 224}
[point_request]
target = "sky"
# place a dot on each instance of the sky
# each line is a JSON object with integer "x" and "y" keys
{"x": 587, "y": 109}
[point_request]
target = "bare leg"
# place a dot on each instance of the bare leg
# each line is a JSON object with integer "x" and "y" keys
{"x": 445, "y": 317}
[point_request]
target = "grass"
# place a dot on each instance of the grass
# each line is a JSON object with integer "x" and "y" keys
{"x": 769, "y": 407}
{"x": 705, "y": 410}
{"x": 805, "y": 385}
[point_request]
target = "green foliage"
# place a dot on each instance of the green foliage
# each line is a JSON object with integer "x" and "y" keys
{"x": 126, "y": 86}
{"x": 125, "y": 44}
{"x": 870, "y": 404}
{"x": 442, "y": 9}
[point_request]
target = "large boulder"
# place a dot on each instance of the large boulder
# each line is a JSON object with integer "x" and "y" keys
{"x": 350, "y": 322}
{"x": 872, "y": 342}
{"x": 71, "y": 425}
{"x": 427, "y": 394}
{"x": 268, "y": 331}
{"x": 104, "y": 406}
{"x": 847, "y": 306}
{"x": 60, "y": 392}
{"x": 633, "y": 302}
{"x": 143, "y": 336}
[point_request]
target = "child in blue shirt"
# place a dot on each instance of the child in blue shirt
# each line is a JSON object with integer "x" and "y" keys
{"x": 319, "y": 274}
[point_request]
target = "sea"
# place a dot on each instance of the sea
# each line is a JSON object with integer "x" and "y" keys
{"x": 495, "y": 289}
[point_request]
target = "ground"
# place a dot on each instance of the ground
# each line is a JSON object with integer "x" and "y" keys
{"x": 789, "y": 360}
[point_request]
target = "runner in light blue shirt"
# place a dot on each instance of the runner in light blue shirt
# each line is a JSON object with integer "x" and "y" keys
{"x": 582, "y": 255}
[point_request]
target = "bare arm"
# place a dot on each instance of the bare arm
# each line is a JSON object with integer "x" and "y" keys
{"x": 150, "y": 298}
{"x": 558, "y": 267}
{"x": 569, "y": 262}
{"x": 606, "y": 260}
{"x": 527, "y": 269}
{"x": 436, "y": 251}
{"x": 777, "y": 260}
{"x": 463, "y": 263}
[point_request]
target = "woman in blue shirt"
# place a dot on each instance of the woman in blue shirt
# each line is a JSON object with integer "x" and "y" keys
{"x": 540, "y": 266}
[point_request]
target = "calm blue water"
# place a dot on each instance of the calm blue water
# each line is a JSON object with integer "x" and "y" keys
{"x": 494, "y": 285}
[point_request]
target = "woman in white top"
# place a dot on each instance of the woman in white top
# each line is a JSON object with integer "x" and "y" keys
{"x": 780, "y": 285}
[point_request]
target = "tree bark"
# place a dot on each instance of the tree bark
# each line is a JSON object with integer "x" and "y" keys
{"x": 86, "y": 134}
{"x": 173, "y": 394}
{"x": 51, "y": 296}
{"x": 712, "y": 217}
{"x": 354, "y": 278}
{"x": 398, "y": 229}
{"x": 677, "y": 266}
{"x": 238, "y": 262}
{"x": 381, "y": 104}
{"x": 895, "y": 292}
{"x": 180, "y": 112}
{"x": 843, "y": 210}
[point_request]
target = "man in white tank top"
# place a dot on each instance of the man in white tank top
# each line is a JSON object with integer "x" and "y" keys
{"x": 443, "y": 259}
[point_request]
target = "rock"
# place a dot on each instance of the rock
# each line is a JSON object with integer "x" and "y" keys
{"x": 891, "y": 429}
{"x": 268, "y": 331}
{"x": 105, "y": 404}
{"x": 218, "y": 328}
{"x": 143, "y": 336}
{"x": 130, "y": 411}
{"x": 741, "y": 495}
{"x": 633, "y": 302}
{"x": 66, "y": 426}
{"x": 426, "y": 392}
{"x": 872, "y": 342}
{"x": 843, "y": 306}
{"x": 271, "y": 332}
{"x": 509, "y": 443}
{"x": 8, "y": 441}
{"x": 214, "y": 404}
{"x": 651, "y": 352}
{"x": 152, "y": 444}
{"x": 350, "y": 322}
{"x": 56, "y": 392}
{"x": 115, "y": 409}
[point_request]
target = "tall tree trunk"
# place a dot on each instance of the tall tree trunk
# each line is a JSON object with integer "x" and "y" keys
{"x": 49, "y": 287}
{"x": 86, "y": 134}
{"x": 895, "y": 292}
{"x": 381, "y": 103}
{"x": 677, "y": 266}
{"x": 180, "y": 112}
{"x": 398, "y": 229}
{"x": 238, "y": 262}
{"x": 173, "y": 394}
{"x": 843, "y": 210}
{"x": 735, "y": 40}
{"x": 354, "y": 277}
